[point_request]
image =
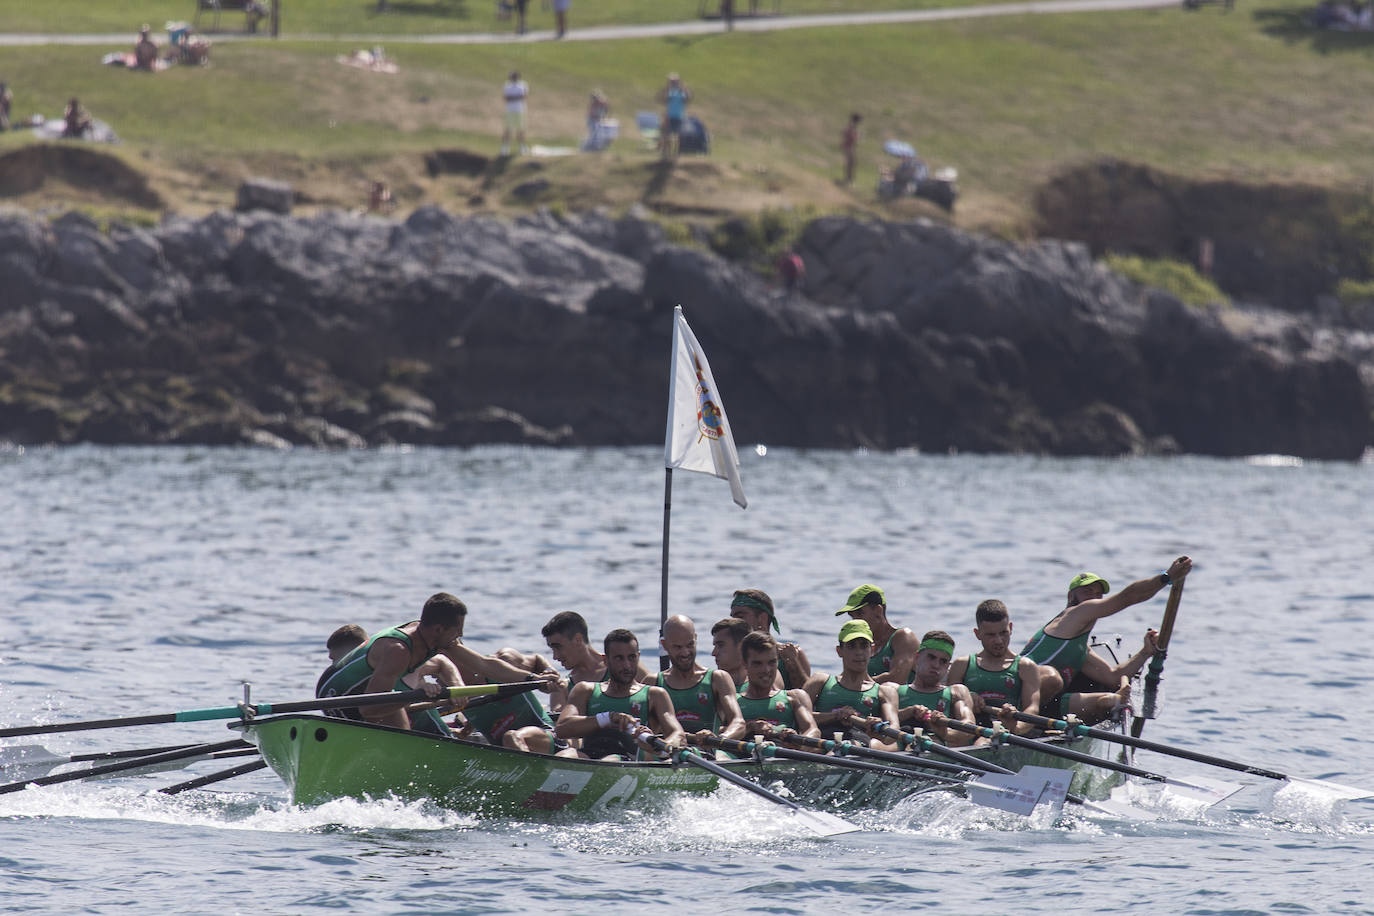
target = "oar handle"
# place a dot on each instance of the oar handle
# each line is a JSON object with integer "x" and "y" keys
{"x": 1155, "y": 671}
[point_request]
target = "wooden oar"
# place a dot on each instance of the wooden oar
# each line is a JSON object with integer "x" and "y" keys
{"x": 1018, "y": 794}
{"x": 29, "y": 761}
{"x": 220, "y": 776}
{"x": 1214, "y": 792}
{"x": 818, "y": 823}
{"x": 262, "y": 709}
{"x": 199, "y": 750}
{"x": 1348, "y": 793}
{"x": 858, "y": 750}
{"x": 1156, "y": 670}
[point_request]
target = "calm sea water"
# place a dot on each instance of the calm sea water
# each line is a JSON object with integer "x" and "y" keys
{"x": 138, "y": 580}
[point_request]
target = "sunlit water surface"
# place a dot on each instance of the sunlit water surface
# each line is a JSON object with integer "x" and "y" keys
{"x": 138, "y": 581}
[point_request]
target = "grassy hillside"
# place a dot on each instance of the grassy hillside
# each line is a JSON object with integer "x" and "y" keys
{"x": 1008, "y": 101}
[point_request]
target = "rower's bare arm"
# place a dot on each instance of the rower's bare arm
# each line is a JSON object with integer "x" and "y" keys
{"x": 727, "y": 706}
{"x": 1135, "y": 593}
{"x": 794, "y": 658}
{"x": 572, "y": 721}
{"x": 1030, "y": 692}
{"x": 887, "y": 701}
{"x": 904, "y": 648}
{"x": 663, "y": 720}
{"x": 389, "y": 659}
{"x": 802, "y": 712}
{"x": 957, "y": 669}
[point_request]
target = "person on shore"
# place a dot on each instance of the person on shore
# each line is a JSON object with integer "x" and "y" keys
{"x": 6, "y": 100}
{"x": 674, "y": 97}
{"x": 382, "y": 662}
{"x": 791, "y": 270}
{"x": 560, "y": 17}
{"x": 516, "y": 95}
{"x": 611, "y": 717}
{"x": 76, "y": 123}
{"x": 703, "y": 698}
{"x": 895, "y": 648}
{"x": 726, "y": 636}
{"x": 754, "y": 607}
{"x": 838, "y": 698}
{"x": 145, "y": 50}
{"x": 1060, "y": 647}
{"x": 997, "y": 677}
{"x": 849, "y": 146}
{"x": 766, "y": 711}
{"x": 929, "y": 691}
{"x": 598, "y": 110}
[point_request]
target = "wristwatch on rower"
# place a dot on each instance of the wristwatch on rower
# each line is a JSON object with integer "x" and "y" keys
{"x": 1164, "y": 579}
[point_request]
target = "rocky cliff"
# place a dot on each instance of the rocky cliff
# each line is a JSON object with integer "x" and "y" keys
{"x": 339, "y": 330}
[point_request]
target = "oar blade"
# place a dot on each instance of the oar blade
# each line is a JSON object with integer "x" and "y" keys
{"x": 1333, "y": 790}
{"x": 28, "y": 761}
{"x": 1205, "y": 789}
{"x": 819, "y": 823}
{"x": 1022, "y": 791}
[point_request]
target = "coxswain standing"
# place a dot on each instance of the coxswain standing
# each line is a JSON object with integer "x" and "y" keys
{"x": 1060, "y": 647}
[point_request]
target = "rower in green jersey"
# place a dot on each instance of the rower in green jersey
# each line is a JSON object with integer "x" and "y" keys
{"x": 382, "y": 663}
{"x": 928, "y": 690}
{"x": 997, "y": 677}
{"x": 1060, "y": 647}
{"x": 703, "y": 698}
{"x": 607, "y": 716}
{"x": 753, "y": 606}
{"x": 894, "y": 648}
{"x": 766, "y": 711}
{"x": 837, "y": 698}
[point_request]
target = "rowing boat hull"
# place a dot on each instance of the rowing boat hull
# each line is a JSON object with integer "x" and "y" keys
{"x": 321, "y": 758}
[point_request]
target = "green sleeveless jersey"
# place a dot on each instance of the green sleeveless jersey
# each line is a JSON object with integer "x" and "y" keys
{"x": 1065, "y": 655}
{"x": 354, "y": 671}
{"x": 881, "y": 662}
{"x": 694, "y": 706}
{"x": 833, "y": 696}
{"x": 775, "y": 710}
{"x": 995, "y": 687}
{"x": 941, "y": 700}
{"x": 496, "y": 717}
{"x": 608, "y": 741}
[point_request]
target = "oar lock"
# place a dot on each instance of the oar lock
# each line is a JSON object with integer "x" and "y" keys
{"x": 246, "y": 709}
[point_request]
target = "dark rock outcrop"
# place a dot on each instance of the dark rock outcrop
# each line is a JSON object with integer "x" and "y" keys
{"x": 340, "y": 331}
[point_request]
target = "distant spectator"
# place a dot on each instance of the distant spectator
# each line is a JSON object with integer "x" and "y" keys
{"x": 379, "y": 198}
{"x": 849, "y": 144}
{"x": 674, "y": 97}
{"x": 727, "y": 14}
{"x": 6, "y": 100}
{"x": 598, "y": 110}
{"x": 560, "y": 17}
{"x": 76, "y": 122}
{"x": 791, "y": 271}
{"x": 515, "y": 93}
{"x": 145, "y": 50}
{"x": 520, "y": 7}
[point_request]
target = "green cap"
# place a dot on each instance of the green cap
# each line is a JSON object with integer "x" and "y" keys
{"x": 855, "y": 629}
{"x": 1088, "y": 579}
{"x": 861, "y": 596}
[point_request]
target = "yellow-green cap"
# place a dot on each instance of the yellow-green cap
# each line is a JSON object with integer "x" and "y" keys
{"x": 855, "y": 629}
{"x": 861, "y": 596}
{"x": 1088, "y": 579}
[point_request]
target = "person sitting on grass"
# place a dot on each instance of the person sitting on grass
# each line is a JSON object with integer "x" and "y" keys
{"x": 77, "y": 123}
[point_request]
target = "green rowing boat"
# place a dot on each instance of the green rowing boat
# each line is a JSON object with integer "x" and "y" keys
{"x": 322, "y": 758}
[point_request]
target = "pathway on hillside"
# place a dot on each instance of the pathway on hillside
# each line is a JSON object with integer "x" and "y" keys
{"x": 655, "y": 30}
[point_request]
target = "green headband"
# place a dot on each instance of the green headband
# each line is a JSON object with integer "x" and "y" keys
{"x": 742, "y": 600}
{"x": 939, "y": 645}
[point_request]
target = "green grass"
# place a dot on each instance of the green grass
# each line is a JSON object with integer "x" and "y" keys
{"x": 404, "y": 17}
{"x": 1008, "y": 100}
{"x": 1174, "y": 277}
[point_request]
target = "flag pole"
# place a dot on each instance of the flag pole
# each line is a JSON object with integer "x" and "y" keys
{"x": 663, "y": 592}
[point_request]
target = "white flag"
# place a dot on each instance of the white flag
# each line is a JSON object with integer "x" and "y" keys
{"x": 699, "y": 437}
